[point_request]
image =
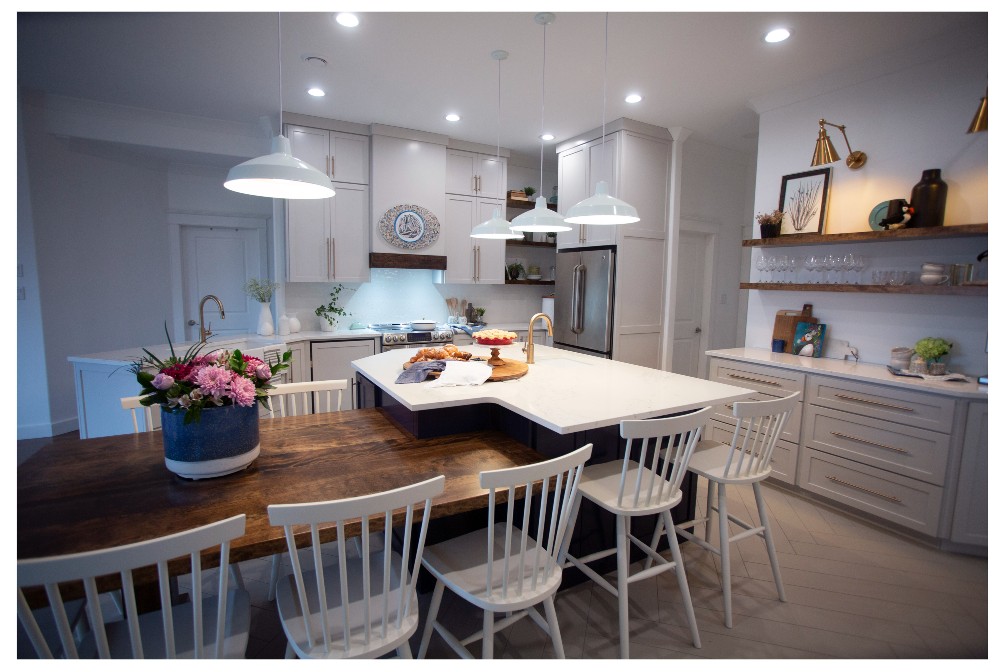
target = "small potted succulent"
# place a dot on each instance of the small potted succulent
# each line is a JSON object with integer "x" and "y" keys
{"x": 932, "y": 350}
{"x": 529, "y": 191}
{"x": 770, "y": 223}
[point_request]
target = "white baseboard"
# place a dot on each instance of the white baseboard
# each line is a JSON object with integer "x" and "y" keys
{"x": 43, "y": 430}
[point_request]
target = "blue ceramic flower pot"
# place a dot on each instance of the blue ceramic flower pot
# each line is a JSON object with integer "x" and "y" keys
{"x": 225, "y": 440}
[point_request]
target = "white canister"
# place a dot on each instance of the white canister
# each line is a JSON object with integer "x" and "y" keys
{"x": 549, "y": 305}
{"x": 294, "y": 325}
{"x": 284, "y": 326}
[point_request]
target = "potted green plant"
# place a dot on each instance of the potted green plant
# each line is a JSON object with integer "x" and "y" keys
{"x": 515, "y": 270}
{"x": 529, "y": 191}
{"x": 932, "y": 350}
{"x": 329, "y": 313}
{"x": 770, "y": 223}
{"x": 479, "y": 315}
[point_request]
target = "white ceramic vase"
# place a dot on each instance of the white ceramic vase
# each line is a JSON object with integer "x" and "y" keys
{"x": 326, "y": 326}
{"x": 294, "y": 325}
{"x": 265, "y": 325}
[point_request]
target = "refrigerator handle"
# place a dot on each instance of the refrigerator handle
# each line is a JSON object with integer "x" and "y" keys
{"x": 579, "y": 274}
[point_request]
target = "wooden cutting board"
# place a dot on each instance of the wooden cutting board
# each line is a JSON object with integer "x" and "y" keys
{"x": 785, "y": 322}
{"x": 510, "y": 370}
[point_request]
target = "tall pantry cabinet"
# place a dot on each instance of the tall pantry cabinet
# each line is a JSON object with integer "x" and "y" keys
{"x": 634, "y": 159}
{"x": 327, "y": 239}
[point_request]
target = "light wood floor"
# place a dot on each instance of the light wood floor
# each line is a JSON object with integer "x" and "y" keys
{"x": 854, "y": 591}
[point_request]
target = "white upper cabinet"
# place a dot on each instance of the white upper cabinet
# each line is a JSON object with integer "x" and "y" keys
{"x": 475, "y": 174}
{"x": 342, "y": 156}
{"x": 580, "y": 169}
{"x": 472, "y": 260}
{"x": 327, "y": 239}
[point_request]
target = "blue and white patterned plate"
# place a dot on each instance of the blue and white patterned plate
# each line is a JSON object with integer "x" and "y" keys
{"x": 409, "y": 227}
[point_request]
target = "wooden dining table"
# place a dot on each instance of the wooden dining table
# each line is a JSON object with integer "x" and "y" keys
{"x": 75, "y": 496}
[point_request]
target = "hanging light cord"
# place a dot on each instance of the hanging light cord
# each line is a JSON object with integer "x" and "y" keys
{"x": 541, "y": 161}
{"x": 604, "y": 109}
{"x": 499, "y": 171}
{"x": 281, "y": 103}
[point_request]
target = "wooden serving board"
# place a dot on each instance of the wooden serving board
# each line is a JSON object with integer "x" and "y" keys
{"x": 510, "y": 370}
{"x": 785, "y": 322}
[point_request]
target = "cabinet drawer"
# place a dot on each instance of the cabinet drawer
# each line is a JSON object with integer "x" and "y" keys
{"x": 900, "y": 449}
{"x": 902, "y": 500}
{"x": 770, "y": 380}
{"x": 917, "y": 409}
{"x": 783, "y": 459}
{"x": 724, "y": 413}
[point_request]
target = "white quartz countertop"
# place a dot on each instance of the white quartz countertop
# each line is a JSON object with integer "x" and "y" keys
{"x": 873, "y": 373}
{"x": 563, "y": 391}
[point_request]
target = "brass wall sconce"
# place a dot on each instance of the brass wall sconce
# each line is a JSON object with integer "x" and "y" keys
{"x": 825, "y": 153}
{"x": 979, "y": 121}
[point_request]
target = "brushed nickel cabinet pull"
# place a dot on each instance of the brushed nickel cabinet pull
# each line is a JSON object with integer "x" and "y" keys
{"x": 326, "y": 165}
{"x": 870, "y": 443}
{"x": 729, "y": 406}
{"x": 328, "y": 272}
{"x": 755, "y": 380}
{"x": 333, "y": 170}
{"x": 875, "y": 403}
{"x": 891, "y": 498}
{"x": 333, "y": 256}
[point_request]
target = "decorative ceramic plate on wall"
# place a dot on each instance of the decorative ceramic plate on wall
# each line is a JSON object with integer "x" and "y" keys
{"x": 409, "y": 227}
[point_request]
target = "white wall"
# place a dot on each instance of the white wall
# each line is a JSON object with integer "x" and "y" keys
{"x": 911, "y": 117}
{"x": 714, "y": 193}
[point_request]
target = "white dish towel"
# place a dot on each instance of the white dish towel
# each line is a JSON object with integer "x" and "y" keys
{"x": 462, "y": 373}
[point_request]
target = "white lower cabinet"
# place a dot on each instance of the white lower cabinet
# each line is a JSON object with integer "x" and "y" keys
{"x": 331, "y": 360}
{"x": 886, "y": 450}
{"x": 299, "y": 370}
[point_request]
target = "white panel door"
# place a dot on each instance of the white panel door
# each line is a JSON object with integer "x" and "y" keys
{"x": 460, "y": 175}
{"x": 349, "y": 234}
{"x": 219, "y": 260}
{"x": 459, "y": 213}
{"x": 491, "y": 252}
{"x": 492, "y": 176}
{"x": 692, "y": 267}
{"x": 331, "y": 360}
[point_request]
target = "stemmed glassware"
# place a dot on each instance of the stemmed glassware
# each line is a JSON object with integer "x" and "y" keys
{"x": 812, "y": 265}
{"x": 761, "y": 267}
{"x": 859, "y": 265}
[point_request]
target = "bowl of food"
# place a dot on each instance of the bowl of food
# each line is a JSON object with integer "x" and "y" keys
{"x": 494, "y": 337}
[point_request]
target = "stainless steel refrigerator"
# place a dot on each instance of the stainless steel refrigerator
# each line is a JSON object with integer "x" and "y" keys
{"x": 584, "y": 304}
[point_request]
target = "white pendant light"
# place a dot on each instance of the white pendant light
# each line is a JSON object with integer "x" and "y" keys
{"x": 496, "y": 227}
{"x": 540, "y": 219}
{"x": 602, "y": 209}
{"x": 279, "y": 174}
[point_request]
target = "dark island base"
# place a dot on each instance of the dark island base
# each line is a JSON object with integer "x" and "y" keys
{"x": 595, "y": 527}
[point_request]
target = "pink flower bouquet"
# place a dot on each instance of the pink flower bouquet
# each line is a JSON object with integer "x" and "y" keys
{"x": 194, "y": 381}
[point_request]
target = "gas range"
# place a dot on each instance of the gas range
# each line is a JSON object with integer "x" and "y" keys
{"x": 400, "y": 335}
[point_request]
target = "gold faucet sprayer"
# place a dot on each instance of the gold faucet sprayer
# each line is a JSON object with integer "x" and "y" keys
{"x": 529, "y": 346}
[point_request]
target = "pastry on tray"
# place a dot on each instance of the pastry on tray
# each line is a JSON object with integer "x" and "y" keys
{"x": 494, "y": 337}
{"x": 447, "y": 353}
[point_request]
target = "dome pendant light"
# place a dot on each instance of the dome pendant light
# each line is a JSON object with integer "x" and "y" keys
{"x": 602, "y": 208}
{"x": 496, "y": 227}
{"x": 540, "y": 219}
{"x": 279, "y": 174}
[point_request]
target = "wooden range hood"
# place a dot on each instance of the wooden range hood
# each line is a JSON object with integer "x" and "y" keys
{"x": 390, "y": 260}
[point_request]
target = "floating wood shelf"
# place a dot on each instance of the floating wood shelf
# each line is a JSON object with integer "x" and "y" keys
{"x": 527, "y": 205}
{"x": 530, "y": 243}
{"x": 961, "y": 290}
{"x": 900, "y": 235}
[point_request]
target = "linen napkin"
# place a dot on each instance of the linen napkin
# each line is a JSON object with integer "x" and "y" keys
{"x": 419, "y": 371}
{"x": 463, "y": 373}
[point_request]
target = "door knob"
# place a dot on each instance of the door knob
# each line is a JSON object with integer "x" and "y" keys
{"x": 191, "y": 323}
{"x": 697, "y": 330}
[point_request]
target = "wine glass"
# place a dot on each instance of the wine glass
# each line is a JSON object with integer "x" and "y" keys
{"x": 772, "y": 263}
{"x": 792, "y": 263}
{"x": 811, "y": 265}
{"x": 781, "y": 265}
{"x": 859, "y": 265}
{"x": 761, "y": 265}
{"x": 849, "y": 265}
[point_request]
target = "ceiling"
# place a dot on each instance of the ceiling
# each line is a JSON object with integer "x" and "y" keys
{"x": 696, "y": 70}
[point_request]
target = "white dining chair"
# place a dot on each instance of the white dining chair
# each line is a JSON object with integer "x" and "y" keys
{"x": 501, "y": 568}
{"x": 207, "y": 625}
{"x": 361, "y": 606}
{"x": 293, "y": 399}
{"x": 746, "y": 459}
{"x": 132, "y": 404}
{"x": 314, "y": 396}
{"x": 628, "y": 488}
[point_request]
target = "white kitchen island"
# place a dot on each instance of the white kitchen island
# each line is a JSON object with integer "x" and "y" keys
{"x": 563, "y": 391}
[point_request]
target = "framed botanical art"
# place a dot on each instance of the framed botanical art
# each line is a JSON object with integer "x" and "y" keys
{"x": 803, "y": 199}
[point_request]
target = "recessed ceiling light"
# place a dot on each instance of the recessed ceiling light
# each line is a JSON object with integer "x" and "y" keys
{"x": 316, "y": 91}
{"x": 547, "y": 136}
{"x": 633, "y": 98}
{"x": 452, "y": 117}
{"x": 777, "y": 35}
{"x": 347, "y": 20}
